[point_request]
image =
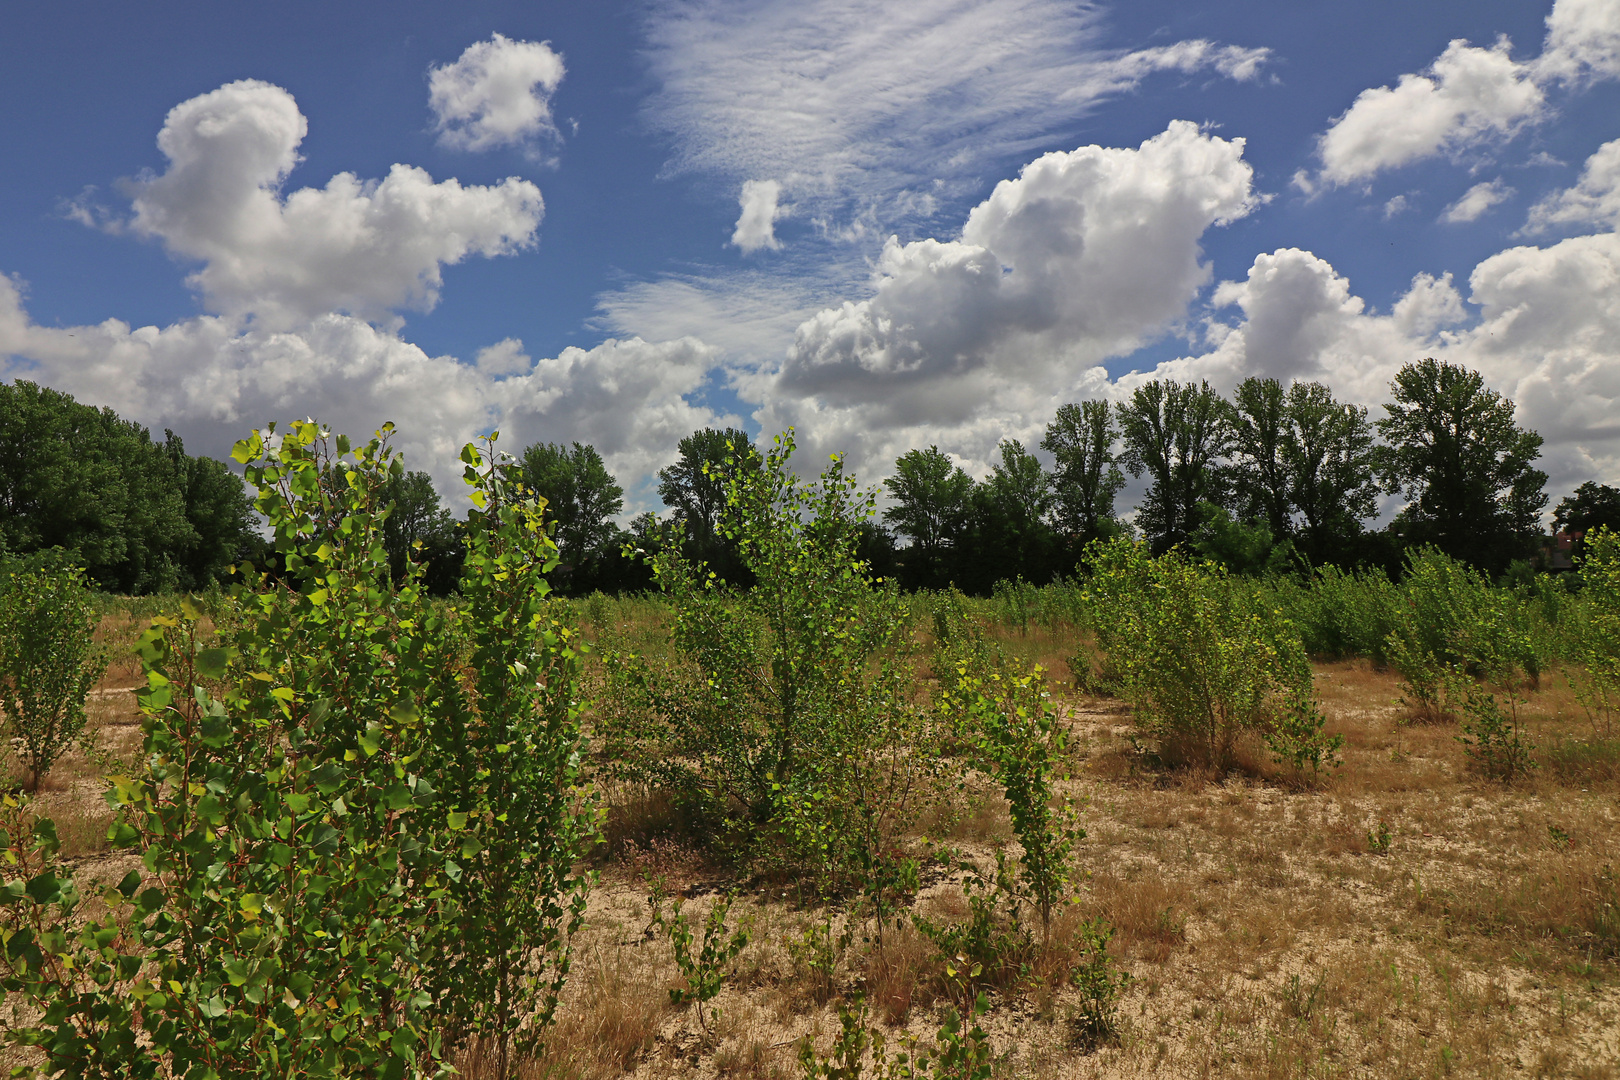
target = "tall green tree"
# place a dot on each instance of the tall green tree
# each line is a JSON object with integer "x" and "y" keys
{"x": 698, "y": 495}
{"x": 582, "y": 499}
{"x": 1261, "y": 427}
{"x": 1464, "y": 466}
{"x": 1085, "y": 478}
{"x": 1177, "y": 434}
{"x": 1303, "y": 464}
{"x": 1591, "y": 505}
{"x": 1330, "y": 461}
{"x": 418, "y": 517}
{"x": 930, "y": 506}
{"x": 694, "y": 488}
{"x": 82, "y": 479}
{"x": 220, "y": 512}
{"x": 1020, "y": 488}
{"x": 1013, "y": 534}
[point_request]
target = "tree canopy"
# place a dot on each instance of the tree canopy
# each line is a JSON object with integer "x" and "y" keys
{"x": 141, "y": 516}
{"x": 582, "y": 499}
{"x": 1453, "y": 450}
{"x": 1085, "y": 479}
{"x": 1177, "y": 434}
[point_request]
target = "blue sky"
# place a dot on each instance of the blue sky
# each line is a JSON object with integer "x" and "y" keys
{"x": 618, "y": 222}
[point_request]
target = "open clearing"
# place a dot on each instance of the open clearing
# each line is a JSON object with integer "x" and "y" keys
{"x": 1407, "y": 917}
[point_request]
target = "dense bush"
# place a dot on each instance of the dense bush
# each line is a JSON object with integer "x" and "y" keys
{"x": 1203, "y": 658}
{"x": 789, "y": 721}
{"x": 1453, "y": 619}
{"x": 356, "y": 849}
{"x": 48, "y": 660}
{"x": 1342, "y": 613}
{"x": 1593, "y": 634}
{"x": 139, "y": 515}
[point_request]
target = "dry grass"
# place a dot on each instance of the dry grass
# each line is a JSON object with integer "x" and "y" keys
{"x": 1269, "y": 929}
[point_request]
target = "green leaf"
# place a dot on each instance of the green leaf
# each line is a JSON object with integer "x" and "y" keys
{"x": 212, "y": 663}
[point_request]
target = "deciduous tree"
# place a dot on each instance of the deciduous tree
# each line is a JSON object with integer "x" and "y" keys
{"x": 1463, "y": 464}
{"x": 582, "y": 498}
{"x": 1086, "y": 479}
{"x": 1177, "y": 433}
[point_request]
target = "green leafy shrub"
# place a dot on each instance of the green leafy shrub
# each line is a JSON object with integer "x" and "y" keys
{"x": 994, "y": 949}
{"x": 788, "y": 720}
{"x": 1203, "y": 658}
{"x": 356, "y": 851}
{"x": 1099, "y": 982}
{"x": 1017, "y": 602}
{"x": 1594, "y": 634}
{"x": 1492, "y": 736}
{"x": 702, "y": 973}
{"x": 1342, "y": 613}
{"x": 955, "y": 1054}
{"x": 1018, "y": 739}
{"x": 1452, "y": 619}
{"x": 48, "y": 660}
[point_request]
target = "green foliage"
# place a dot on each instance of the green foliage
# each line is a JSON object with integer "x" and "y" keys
{"x": 1017, "y": 602}
{"x": 704, "y": 972}
{"x": 356, "y": 852}
{"x": 1466, "y": 468}
{"x": 930, "y": 508}
{"x": 1203, "y": 658}
{"x": 789, "y": 720}
{"x": 582, "y": 499}
{"x": 1379, "y": 838}
{"x": 955, "y": 1055}
{"x": 1019, "y": 495}
{"x": 1453, "y": 619}
{"x": 48, "y": 661}
{"x": 1099, "y": 983}
{"x": 1085, "y": 479}
{"x": 1176, "y": 433}
{"x": 1243, "y": 547}
{"x": 695, "y": 486}
{"x": 1594, "y": 633}
{"x": 1018, "y": 739}
{"x": 419, "y": 530}
{"x": 993, "y": 949}
{"x": 1300, "y": 452}
{"x": 1343, "y": 613}
{"x": 139, "y": 516}
{"x": 1492, "y": 736}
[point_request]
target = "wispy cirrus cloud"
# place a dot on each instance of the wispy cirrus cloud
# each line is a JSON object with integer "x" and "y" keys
{"x": 877, "y": 110}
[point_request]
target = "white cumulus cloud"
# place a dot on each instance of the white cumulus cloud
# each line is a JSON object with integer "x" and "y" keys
{"x": 302, "y": 288}
{"x": 1469, "y": 97}
{"x": 756, "y": 225}
{"x": 1548, "y": 336}
{"x": 366, "y": 247}
{"x": 1085, "y": 255}
{"x": 1594, "y": 200}
{"x": 505, "y": 357}
{"x": 1476, "y": 201}
{"x": 1583, "y": 41}
{"x": 497, "y": 93}
{"x": 213, "y": 380}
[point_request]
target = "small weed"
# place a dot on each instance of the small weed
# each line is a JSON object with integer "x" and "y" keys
{"x": 704, "y": 972}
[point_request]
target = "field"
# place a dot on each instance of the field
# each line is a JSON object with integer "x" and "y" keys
{"x": 1403, "y": 916}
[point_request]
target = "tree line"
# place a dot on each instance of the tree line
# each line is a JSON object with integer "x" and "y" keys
{"x": 1272, "y": 478}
